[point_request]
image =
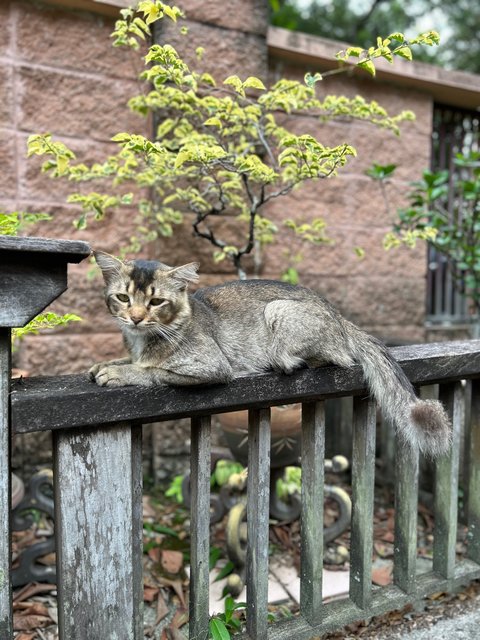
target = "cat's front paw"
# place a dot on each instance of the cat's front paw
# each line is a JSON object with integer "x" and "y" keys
{"x": 110, "y": 376}
{"x": 92, "y": 372}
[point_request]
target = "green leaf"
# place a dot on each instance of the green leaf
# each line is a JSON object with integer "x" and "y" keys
{"x": 310, "y": 79}
{"x": 368, "y": 66}
{"x": 236, "y": 83}
{"x": 399, "y": 37}
{"x": 213, "y": 122}
{"x": 214, "y": 557}
{"x": 404, "y": 52}
{"x": 254, "y": 83}
{"x": 225, "y": 571}
{"x": 218, "y": 630}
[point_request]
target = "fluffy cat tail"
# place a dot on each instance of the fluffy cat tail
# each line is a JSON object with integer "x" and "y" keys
{"x": 421, "y": 423}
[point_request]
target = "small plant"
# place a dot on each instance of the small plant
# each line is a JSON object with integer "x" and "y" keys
{"x": 290, "y": 484}
{"x": 444, "y": 210}
{"x": 175, "y": 489}
{"x": 222, "y": 625}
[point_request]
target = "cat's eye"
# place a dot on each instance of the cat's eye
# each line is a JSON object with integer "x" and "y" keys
{"x": 155, "y": 302}
{"x": 123, "y": 297}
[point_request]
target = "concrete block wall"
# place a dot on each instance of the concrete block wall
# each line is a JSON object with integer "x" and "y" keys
{"x": 59, "y": 73}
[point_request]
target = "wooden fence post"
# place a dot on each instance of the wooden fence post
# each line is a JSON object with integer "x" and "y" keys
{"x": 6, "y": 628}
{"x": 33, "y": 272}
{"x": 98, "y": 529}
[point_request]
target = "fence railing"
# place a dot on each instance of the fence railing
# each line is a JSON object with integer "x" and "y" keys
{"x": 97, "y": 484}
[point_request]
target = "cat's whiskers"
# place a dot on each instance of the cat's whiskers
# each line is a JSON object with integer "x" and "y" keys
{"x": 171, "y": 334}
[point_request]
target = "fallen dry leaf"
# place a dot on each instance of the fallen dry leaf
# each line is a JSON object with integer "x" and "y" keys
{"x": 154, "y": 554}
{"x": 149, "y": 593}
{"x": 32, "y": 589}
{"x": 171, "y": 561}
{"x": 179, "y": 619}
{"x": 148, "y": 510}
{"x": 382, "y": 575}
{"x": 22, "y": 622}
{"x": 176, "y": 585}
{"x": 35, "y": 608}
{"x": 162, "y": 609}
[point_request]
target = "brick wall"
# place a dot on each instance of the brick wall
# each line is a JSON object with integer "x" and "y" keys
{"x": 59, "y": 73}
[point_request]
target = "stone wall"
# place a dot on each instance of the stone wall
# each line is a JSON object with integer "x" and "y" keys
{"x": 59, "y": 73}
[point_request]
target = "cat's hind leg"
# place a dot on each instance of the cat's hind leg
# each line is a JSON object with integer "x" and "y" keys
{"x": 305, "y": 333}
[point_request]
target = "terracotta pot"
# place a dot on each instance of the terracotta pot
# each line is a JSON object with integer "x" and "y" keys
{"x": 286, "y": 424}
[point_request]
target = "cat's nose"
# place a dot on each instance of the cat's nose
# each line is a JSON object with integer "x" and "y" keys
{"x": 137, "y": 314}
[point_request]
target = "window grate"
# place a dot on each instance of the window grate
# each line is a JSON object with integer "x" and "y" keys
{"x": 454, "y": 131}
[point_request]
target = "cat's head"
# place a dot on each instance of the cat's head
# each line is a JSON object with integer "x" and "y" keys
{"x": 144, "y": 294}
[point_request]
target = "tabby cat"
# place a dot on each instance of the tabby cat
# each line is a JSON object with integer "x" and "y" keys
{"x": 244, "y": 328}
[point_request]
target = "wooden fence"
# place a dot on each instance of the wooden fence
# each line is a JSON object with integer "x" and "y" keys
{"x": 97, "y": 476}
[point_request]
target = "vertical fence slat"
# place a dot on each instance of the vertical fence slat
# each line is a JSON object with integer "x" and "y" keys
{"x": 200, "y": 472}
{"x": 363, "y": 477}
{"x": 258, "y": 497}
{"x": 473, "y": 480}
{"x": 98, "y": 478}
{"x": 6, "y": 629}
{"x": 313, "y": 454}
{"x": 446, "y": 486}
{"x": 406, "y": 514}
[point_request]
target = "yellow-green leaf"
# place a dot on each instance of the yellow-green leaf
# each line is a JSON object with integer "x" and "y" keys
{"x": 213, "y": 122}
{"x": 404, "y": 52}
{"x": 254, "y": 83}
{"x": 368, "y": 66}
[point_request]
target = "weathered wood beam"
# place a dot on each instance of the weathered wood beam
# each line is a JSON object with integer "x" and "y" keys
{"x": 363, "y": 487}
{"x": 199, "y": 527}
{"x": 98, "y": 530}
{"x": 73, "y": 401}
{"x": 258, "y": 505}
{"x": 313, "y": 454}
{"x": 6, "y": 616}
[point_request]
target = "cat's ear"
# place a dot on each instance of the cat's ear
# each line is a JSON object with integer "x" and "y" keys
{"x": 185, "y": 274}
{"x": 109, "y": 265}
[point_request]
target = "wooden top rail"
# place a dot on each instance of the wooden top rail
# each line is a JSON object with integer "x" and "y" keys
{"x": 66, "y": 250}
{"x": 40, "y": 404}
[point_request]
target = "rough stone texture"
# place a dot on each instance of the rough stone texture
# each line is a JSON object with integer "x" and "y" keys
{"x": 6, "y": 96}
{"x": 372, "y": 301}
{"x": 72, "y": 41}
{"x": 5, "y": 41}
{"x": 61, "y": 352}
{"x": 241, "y": 15}
{"x": 341, "y": 260}
{"x": 345, "y": 200}
{"x": 77, "y": 105}
{"x": 8, "y": 182}
{"x": 226, "y": 52}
